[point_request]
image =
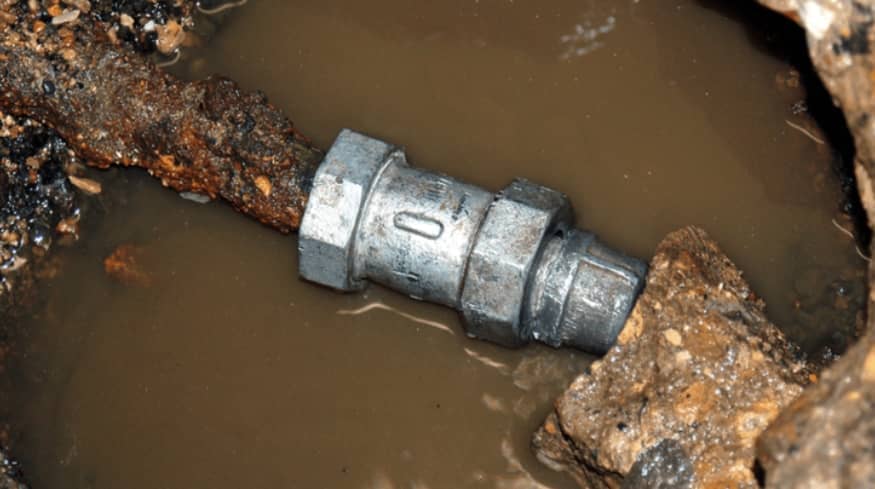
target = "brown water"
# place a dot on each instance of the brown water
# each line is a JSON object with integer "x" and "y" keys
{"x": 229, "y": 372}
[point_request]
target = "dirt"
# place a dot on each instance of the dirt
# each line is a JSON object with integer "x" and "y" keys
{"x": 38, "y": 206}
{"x": 697, "y": 374}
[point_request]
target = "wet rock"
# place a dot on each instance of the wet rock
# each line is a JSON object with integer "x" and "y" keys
{"x": 697, "y": 374}
{"x": 826, "y": 438}
{"x": 665, "y": 466}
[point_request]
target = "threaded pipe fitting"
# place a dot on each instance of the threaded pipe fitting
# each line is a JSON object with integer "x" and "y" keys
{"x": 511, "y": 263}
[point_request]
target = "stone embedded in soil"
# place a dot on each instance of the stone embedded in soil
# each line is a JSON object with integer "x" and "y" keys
{"x": 826, "y": 438}
{"x": 697, "y": 374}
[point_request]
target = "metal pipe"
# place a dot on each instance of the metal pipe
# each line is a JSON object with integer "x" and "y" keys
{"x": 511, "y": 263}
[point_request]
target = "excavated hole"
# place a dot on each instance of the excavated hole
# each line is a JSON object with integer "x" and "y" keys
{"x": 226, "y": 371}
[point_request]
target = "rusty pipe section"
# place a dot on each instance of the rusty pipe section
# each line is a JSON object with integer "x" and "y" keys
{"x": 511, "y": 263}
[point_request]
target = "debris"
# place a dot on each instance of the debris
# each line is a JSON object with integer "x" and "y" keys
{"x": 90, "y": 187}
{"x": 196, "y": 197}
{"x": 125, "y": 266}
{"x": 810, "y": 135}
{"x": 67, "y": 16}
{"x": 170, "y": 37}
{"x": 206, "y": 7}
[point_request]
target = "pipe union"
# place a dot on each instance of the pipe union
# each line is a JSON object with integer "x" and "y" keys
{"x": 511, "y": 263}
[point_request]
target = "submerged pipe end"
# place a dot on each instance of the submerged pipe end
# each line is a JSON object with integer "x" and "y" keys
{"x": 582, "y": 293}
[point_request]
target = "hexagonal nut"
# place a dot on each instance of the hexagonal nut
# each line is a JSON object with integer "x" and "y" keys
{"x": 340, "y": 189}
{"x": 502, "y": 258}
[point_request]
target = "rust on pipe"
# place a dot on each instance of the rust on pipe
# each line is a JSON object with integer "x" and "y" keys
{"x": 114, "y": 107}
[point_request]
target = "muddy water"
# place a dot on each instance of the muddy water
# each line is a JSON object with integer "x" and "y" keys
{"x": 228, "y": 372}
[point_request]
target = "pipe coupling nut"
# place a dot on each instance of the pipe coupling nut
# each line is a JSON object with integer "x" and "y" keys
{"x": 503, "y": 257}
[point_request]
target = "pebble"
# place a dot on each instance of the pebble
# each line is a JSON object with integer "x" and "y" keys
{"x": 264, "y": 185}
{"x": 673, "y": 337}
{"x": 170, "y": 37}
{"x": 67, "y": 16}
{"x": 86, "y": 185}
{"x": 195, "y": 197}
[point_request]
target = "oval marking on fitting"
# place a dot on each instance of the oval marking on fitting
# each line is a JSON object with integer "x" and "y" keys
{"x": 409, "y": 276}
{"x": 418, "y": 224}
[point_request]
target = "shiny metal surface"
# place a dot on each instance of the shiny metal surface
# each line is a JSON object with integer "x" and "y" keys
{"x": 511, "y": 263}
{"x": 340, "y": 189}
{"x": 501, "y": 262}
{"x": 417, "y": 231}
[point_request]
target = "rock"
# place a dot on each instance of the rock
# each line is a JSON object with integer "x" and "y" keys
{"x": 697, "y": 374}
{"x": 826, "y": 438}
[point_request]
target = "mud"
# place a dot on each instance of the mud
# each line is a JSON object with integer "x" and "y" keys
{"x": 697, "y": 374}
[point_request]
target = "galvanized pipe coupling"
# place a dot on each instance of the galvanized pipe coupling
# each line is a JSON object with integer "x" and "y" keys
{"x": 512, "y": 263}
